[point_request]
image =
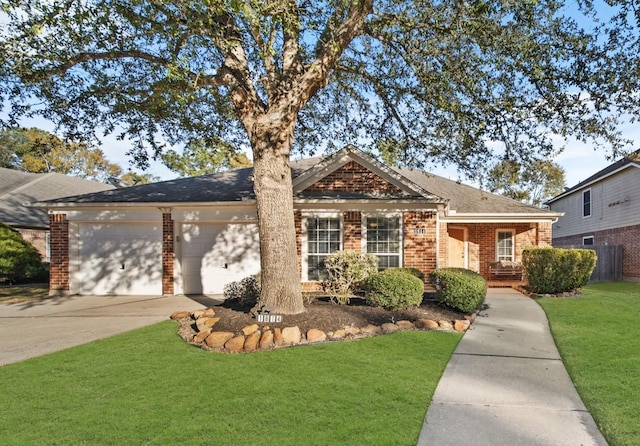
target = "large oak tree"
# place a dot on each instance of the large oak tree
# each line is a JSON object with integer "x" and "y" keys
{"x": 426, "y": 80}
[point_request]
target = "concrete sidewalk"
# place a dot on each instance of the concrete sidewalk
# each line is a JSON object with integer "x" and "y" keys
{"x": 506, "y": 384}
{"x": 37, "y": 328}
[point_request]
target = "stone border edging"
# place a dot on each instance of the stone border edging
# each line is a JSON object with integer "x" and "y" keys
{"x": 197, "y": 328}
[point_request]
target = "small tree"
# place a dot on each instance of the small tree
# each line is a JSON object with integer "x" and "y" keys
{"x": 19, "y": 260}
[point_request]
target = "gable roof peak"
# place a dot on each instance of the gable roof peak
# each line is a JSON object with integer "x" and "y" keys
{"x": 349, "y": 153}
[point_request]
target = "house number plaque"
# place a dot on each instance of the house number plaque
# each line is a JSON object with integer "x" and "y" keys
{"x": 269, "y": 318}
{"x": 420, "y": 231}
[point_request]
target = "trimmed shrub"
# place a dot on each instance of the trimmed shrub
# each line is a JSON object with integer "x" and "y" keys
{"x": 245, "y": 291}
{"x": 556, "y": 270}
{"x": 19, "y": 260}
{"x": 413, "y": 271}
{"x": 393, "y": 290}
{"x": 459, "y": 289}
{"x": 346, "y": 271}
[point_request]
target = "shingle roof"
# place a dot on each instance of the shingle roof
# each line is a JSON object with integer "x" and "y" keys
{"x": 237, "y": 185}
{"x": 466, "y": 199}
{"x": 17, "y": 189}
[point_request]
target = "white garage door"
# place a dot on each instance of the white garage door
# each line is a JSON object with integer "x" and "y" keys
{"x": 119, "y": 259}
{"x": 216, "y": 254}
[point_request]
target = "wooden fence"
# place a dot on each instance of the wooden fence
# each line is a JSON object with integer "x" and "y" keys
{"x": 609, "y": 263}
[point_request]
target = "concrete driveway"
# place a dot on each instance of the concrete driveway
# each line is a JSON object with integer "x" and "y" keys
{"x": 36, "y": 328}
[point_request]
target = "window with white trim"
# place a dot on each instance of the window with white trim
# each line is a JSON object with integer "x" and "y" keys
{"x": 586, "y": 203}
{"x": 505, "y": 245}
{"x": 384, "y": 239}
{"x": 588, "y": 241}
{"x": 323, "y": 237}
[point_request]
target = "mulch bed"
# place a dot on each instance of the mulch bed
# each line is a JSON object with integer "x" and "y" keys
{"x": 327, "y": 316}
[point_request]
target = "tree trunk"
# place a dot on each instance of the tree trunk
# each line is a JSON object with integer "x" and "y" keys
{"x": 271, "y": 140}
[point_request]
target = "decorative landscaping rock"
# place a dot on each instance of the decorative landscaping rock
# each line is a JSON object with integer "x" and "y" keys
{"x": 426, "y": 324}
{"x": 406, "y": 325}
{"x": 351, "y": 330}
{"x": 389, "y": 328}
{"x": 177, "y": 315}
{"x": 206, "y": 323}
{"x": 445, "y": 325}
{"x": 217, "y": 339}
{"x": 291, "y": 335}
{"x": 251, "y": 343}
{"x": 315, "y": 335}
{"x": 235, "y": 344}
{"x": 461, "y": 325}
{"x": 253, "y": 338}
{"x": 277, "y": 336}
{"x": 201, "y": 336}
{"x": 266, "y": 340}
{"x": 371, "y": 329}
{"x": 249, "y": 329}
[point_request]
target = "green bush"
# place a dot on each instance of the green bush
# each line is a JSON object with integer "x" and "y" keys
{"x": 556, "y": 270}
{"x": 459, "y": 289}
{"x": 246, "y": 291}
{"x": 413, "y": 271}
{"x": 19, "y": 260}
{"x": 346, "y": 271}
{"x": 393, "y": 290}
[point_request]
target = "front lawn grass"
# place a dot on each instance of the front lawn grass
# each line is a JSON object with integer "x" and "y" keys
{"x": 150, "y": 387}
{"x": 597, "y": 336}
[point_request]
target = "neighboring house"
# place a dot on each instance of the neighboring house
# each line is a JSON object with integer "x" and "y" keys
{"x": 194, "y": 235}
{"x": 604, "y": 209}
{"x": 18, "y": 188}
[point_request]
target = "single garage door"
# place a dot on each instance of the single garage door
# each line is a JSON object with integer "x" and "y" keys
{"x": 216, "y": 254}
{"x": 119, "y": 259}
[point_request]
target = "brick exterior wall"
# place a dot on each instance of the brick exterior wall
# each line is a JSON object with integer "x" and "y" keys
{"x": 628, "y": 236}
{"x": 167, "y": 254}
{"x": 37, "y": 237}
{"x": 352, "y": 177}
{"x": 419, "y": 241}
{"x": 419, "y": 246}
{"x": 483, "y": 237}
{"x": 59, "y": 248}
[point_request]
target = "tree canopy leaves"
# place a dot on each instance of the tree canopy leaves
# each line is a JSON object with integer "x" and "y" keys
{"x": 533, "y": 183}
{"x": 38, "y": 151}
{"x": 441, "y": 80}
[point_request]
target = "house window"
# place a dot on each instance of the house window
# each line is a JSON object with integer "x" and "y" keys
{"x": 586, "y": 203}
{"x": 505, "y": 245}
{"x": 384, "y": 239}
{"x": 587, "y": 241}
{"x": 323, "y": 238}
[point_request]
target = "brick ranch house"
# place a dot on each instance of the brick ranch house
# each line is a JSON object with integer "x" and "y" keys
{"x": 194, "y": 235}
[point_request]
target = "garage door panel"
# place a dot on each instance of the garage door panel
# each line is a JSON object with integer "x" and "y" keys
{"x": 119, "y": 259}
{"x": 216, "y": 254}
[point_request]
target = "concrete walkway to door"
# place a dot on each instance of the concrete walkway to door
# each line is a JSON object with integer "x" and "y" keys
{"x": 506, "y": 384}
{"x": 31, "y": 329}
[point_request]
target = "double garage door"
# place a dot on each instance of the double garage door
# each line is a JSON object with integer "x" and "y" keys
{"x": 126, "y": 259}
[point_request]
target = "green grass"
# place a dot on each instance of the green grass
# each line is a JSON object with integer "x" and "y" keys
{"x": 150, "y": 387}
{"x": 597, "y": 336}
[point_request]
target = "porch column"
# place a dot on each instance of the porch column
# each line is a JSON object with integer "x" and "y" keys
{"x": 59, "y": 249}
{"x": 167, "y": 254}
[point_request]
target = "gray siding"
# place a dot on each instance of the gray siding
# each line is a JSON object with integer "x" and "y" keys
{"x": 615, "y": 203}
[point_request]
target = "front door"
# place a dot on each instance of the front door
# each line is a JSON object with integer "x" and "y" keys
{"x": 456, "y": 247}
